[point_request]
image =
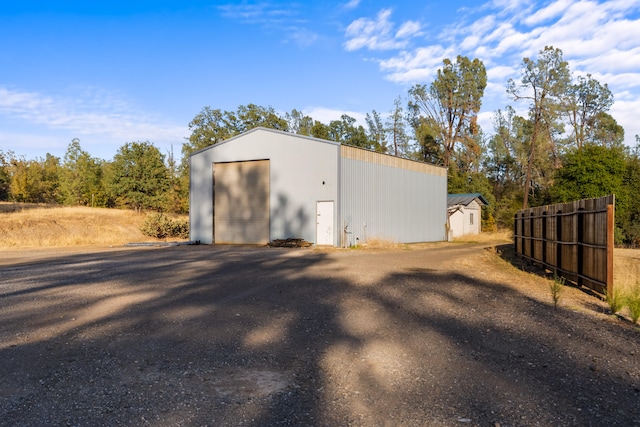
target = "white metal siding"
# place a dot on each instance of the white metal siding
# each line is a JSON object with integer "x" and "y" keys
{"x": 461, "y": 223}
{"x": 392, "y": 199}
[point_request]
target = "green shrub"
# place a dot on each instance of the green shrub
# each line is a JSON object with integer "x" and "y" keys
{"x": 161, "y": 227}
{"x": 615, "y": 301}
{"x": 556, "y": 287}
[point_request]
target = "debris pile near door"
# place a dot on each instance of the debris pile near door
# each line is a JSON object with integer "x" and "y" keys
{"x": 289, "y": 243}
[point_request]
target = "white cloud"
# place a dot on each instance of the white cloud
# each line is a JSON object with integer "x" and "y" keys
{"x": 378, "y": 33}
{"x": 553, "y": 10}
{"x": 624, "y": 82}
{"x": 412, "y": 67}
{"x": 326, "y": 115}
{"x": 509, "y": 5}
{"x": 625, "y": 112}
{"x": 352, "y": 4}
{"x": 257, "y": 13}
{"x": 409, "y": 29}
{"x": 273, "y": 17}
{"x": 24, "y": 144}
{"x": 596, "y": 36}
{"x": 501, "y": 72}
{"x": 302, "y": 37}
{"x": 94, "y": 113}
{"x": 485, "y": 120}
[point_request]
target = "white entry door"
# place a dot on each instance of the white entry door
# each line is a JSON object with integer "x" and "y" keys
{"x": 324, "y": 223}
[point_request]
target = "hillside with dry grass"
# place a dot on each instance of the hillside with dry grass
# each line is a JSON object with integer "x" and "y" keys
{"x": 34, "y": 225}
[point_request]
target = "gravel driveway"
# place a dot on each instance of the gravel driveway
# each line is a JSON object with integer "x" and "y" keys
{"x": 433, "y": 335}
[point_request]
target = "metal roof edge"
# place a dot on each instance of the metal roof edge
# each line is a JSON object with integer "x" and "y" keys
{"x": 264, "y": 129}
{"x": 472, "y": 195}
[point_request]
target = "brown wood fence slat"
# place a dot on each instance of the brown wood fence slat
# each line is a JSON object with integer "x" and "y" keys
{"x": 573, "y": 239}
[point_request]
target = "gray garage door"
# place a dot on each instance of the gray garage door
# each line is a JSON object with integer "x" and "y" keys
{"x": 241, "y": 202}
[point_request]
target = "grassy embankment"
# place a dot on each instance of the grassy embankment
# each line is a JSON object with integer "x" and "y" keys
{"x": 42, "y": 226}
{"x": 626, "y": 262}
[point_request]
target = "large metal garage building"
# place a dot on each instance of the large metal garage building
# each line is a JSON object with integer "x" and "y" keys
{"x": 265, "y": 185}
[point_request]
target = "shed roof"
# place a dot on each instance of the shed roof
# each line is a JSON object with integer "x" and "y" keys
{"x": 465, "y": 199}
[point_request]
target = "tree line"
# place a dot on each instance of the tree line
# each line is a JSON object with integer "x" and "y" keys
{"x": 139, "y": 177}
{"x": 566, "y": 147}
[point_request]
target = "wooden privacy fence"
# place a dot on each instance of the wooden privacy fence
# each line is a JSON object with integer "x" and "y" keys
{"x": 573, "y": 239}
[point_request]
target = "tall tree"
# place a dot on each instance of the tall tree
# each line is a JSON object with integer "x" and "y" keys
{"x": 208, "y": 127}
{"x": 585, "y": 101}
{"x": 320, "y": 130}
{"x": 544, "y": 83}
{"x": 604, "y": 130}
{"x": 596, "y": 171}
{"x": 376, "y": 132}
{"x": 451, "y": 104}
{"x": 34, "y": 181}
{"x": 211, "y": 126}
{"x": 428, "y": 147}
{"x": 593, "y": 171}
{"x": 506, "y": 157}
{"x": 299, "y": 123}
{"x": 49, "y": 179}
{"x": 5, "y": 174}
{"x": 177, "y": 199}
{"x": 81, "y": 177}
{"x": 347, "y": 132}
{"x": 396, "y": 127}
{"x": 630, "y": 220}
{"x": 139, "y": 177}
{"x": 251, "y": 116}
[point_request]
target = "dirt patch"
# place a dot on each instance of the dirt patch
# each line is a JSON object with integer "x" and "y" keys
{"x": 449, "y": 334}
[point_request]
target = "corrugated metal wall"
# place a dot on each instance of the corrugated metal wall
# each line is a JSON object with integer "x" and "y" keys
{"x": 389, "y": 198}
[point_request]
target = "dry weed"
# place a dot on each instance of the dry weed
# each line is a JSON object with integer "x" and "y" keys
{"x": 626, "y": 268}
{"x": 381, "y": 244}
{"x": 500, "y": 236}
{"x": 68, "y": 226}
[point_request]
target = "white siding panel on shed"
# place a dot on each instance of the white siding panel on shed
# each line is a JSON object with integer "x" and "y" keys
{"x": 241, "y": 202}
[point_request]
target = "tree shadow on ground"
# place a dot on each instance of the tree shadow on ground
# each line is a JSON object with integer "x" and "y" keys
{"x": 236, "y": 335}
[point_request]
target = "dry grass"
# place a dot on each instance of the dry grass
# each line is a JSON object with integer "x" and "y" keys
{"x": 626, "y": 269}
{"x": 500, "y": 236}
{"x": 381, "y": 244}
{"x": 626, "y": 277}
{"x": 39, "y": 226}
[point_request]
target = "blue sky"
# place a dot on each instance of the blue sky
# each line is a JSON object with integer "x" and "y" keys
{"x": 111, "y": 72}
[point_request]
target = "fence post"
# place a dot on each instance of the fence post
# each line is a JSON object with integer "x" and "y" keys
{"x": 559, "y": 245}
{"x": 531, "y": 236}
{"x": 515, "y": 232}
{"x": 610, "y": 243}
{"x": 580, "y": 243}
{"x": 544, "y": 236}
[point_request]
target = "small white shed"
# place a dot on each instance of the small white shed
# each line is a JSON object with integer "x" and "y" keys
{"x": 465, "y": 214}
